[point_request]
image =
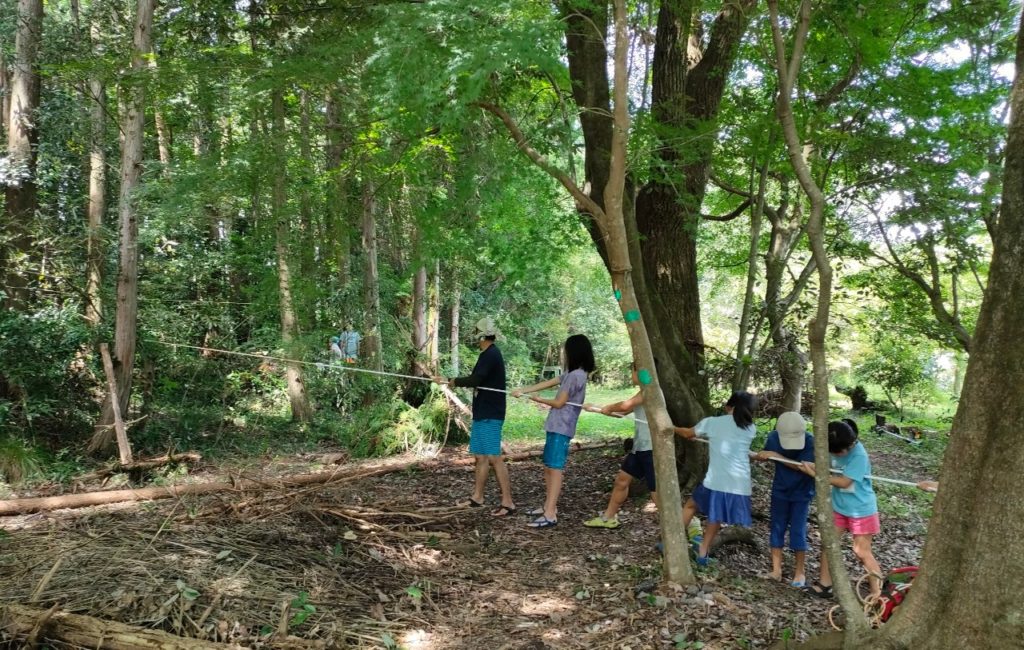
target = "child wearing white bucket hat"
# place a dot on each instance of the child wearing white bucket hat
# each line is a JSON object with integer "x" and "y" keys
{"x": 792, "y": 491}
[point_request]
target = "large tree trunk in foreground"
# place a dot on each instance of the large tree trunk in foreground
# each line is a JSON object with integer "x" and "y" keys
{"x": 302, "y": 411}
{"x": 22, "y": 136}
{"x": 125, "y": 322}
{"x": 971, "y": 584}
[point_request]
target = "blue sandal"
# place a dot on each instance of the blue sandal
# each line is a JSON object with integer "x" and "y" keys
{"x": 543, "y": 522}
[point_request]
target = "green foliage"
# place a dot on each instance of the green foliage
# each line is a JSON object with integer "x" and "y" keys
{"x": 896, "y": 367}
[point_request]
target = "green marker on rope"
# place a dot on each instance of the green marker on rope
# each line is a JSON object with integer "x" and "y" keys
{"x": 618, "y": 294}
{"x": 632, "y": 315}
{"x": 644, "y": 376}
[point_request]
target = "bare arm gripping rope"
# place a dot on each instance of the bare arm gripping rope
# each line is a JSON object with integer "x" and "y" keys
{"x": 381, "y": 373}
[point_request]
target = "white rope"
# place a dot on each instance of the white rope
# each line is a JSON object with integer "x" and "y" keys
{"x": 382, "y": 373}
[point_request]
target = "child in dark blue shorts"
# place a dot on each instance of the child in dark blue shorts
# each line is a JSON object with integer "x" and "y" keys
{"x": 792, "y": 491}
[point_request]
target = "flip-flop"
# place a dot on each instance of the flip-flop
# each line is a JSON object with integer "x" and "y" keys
{"x": 535, "y": 512}
{"x": 799, "y": 584}
{"x": 769, "y": 576}
{"x": 470, "y": 503}
{"x": 504, "y": 511}
{"x": 543, "y": 522}
{"x": 819, "y": 590}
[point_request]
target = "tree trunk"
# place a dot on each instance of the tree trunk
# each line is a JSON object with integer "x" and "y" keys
{"x": 5, "y": 100}
{"x": 302, "y": 411}
{"x": 453, "y": 342}
{"x": 163, "y": 130}
{"x": 97, "y": 208}
{"x": 371, "y": 280}
{"x": 741, "y": 374}
{"x": 787, "y": 71}
{"x": 419, "y": 314}
{"x": 972, "y": 565}
{"x": 125, "y": 321}
{"x": 610, "y": 221}
{"x": 434, "y": 319}
{"x": 661, "y": 229}
{"x": 339, "y": 228}
{"x": 307, "y": 242}
{"x": 22, "y": 136}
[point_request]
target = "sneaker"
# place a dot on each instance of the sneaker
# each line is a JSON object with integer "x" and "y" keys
{"x": 600, "y": 522}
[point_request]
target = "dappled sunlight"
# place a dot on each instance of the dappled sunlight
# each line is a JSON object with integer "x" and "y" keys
{"x": 546, "y": 605}
{"x": 417, "y": 640}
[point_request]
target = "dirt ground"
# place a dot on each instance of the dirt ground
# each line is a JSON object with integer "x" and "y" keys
{"x": 389, "y": 562}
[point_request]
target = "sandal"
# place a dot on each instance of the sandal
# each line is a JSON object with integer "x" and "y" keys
{"x": 504, "y": 511}
{"x": 819, "y": 590}
{"x": 535, "y": 512}
{"x": 470, "y": 503}
{"x": 543, "y": 522}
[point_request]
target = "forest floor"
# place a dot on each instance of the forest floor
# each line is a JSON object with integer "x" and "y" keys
{"x": 389, "y": 562}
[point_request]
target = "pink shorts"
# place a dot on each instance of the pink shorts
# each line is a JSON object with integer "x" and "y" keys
{"x": 869, "y": 525}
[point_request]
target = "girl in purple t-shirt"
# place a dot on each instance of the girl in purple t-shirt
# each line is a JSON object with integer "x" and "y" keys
{"x": 561, "y": 423}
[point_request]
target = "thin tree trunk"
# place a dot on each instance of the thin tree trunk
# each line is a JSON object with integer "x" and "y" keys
{"x": 22, "y": 136}
{"x": 787, "y": 71}
{"x": 338, "y": 227}
{"x": 5, "y": 100}
{"x": 741, "y": 374}
{"x": 302, "y": 411}
{"x": 97, "y": 208}
{"x": 434, "y": 318}
{"x": 453, "y": 354}
{"x": 163, "y": 130}
{"x": 371, "y": 288}
{"x": 125, "y": 322}
{"x": 419, "y": 311}
{"x": 307, "y": 242}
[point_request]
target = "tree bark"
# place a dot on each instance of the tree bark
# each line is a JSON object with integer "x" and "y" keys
{"x": 22, "y": 136}
{"x": 307, "y": 242}
{"x": 453, "y": 343}
{"x": 97, "y": 208}
{"x": 419, "y": 311}
{"x": 125, "y": 321}
{"x": 302, "y": 410}
{"x": 371, "y": 282}
{"x": 89, "y": 632}
{"x": 5, "y": 99}
{"x": 972, "y": 563}
{"x": 434, "y": 318}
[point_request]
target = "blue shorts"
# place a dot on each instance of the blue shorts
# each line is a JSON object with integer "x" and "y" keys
{"x": 791, "y": 515}
{"x": 556, "y": 450}
{"x": 485, "y": 437}
{"x": 640, "y": 465}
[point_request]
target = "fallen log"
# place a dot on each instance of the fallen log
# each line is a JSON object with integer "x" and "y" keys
{"x": 32, "y": 624}
{"x": 141, "y": 465}
{"x": 85, "y": 499}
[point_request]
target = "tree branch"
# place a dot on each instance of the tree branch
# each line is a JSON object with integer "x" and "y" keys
{"x": 582, "y": 200}
{"x": 731, "y": 214}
